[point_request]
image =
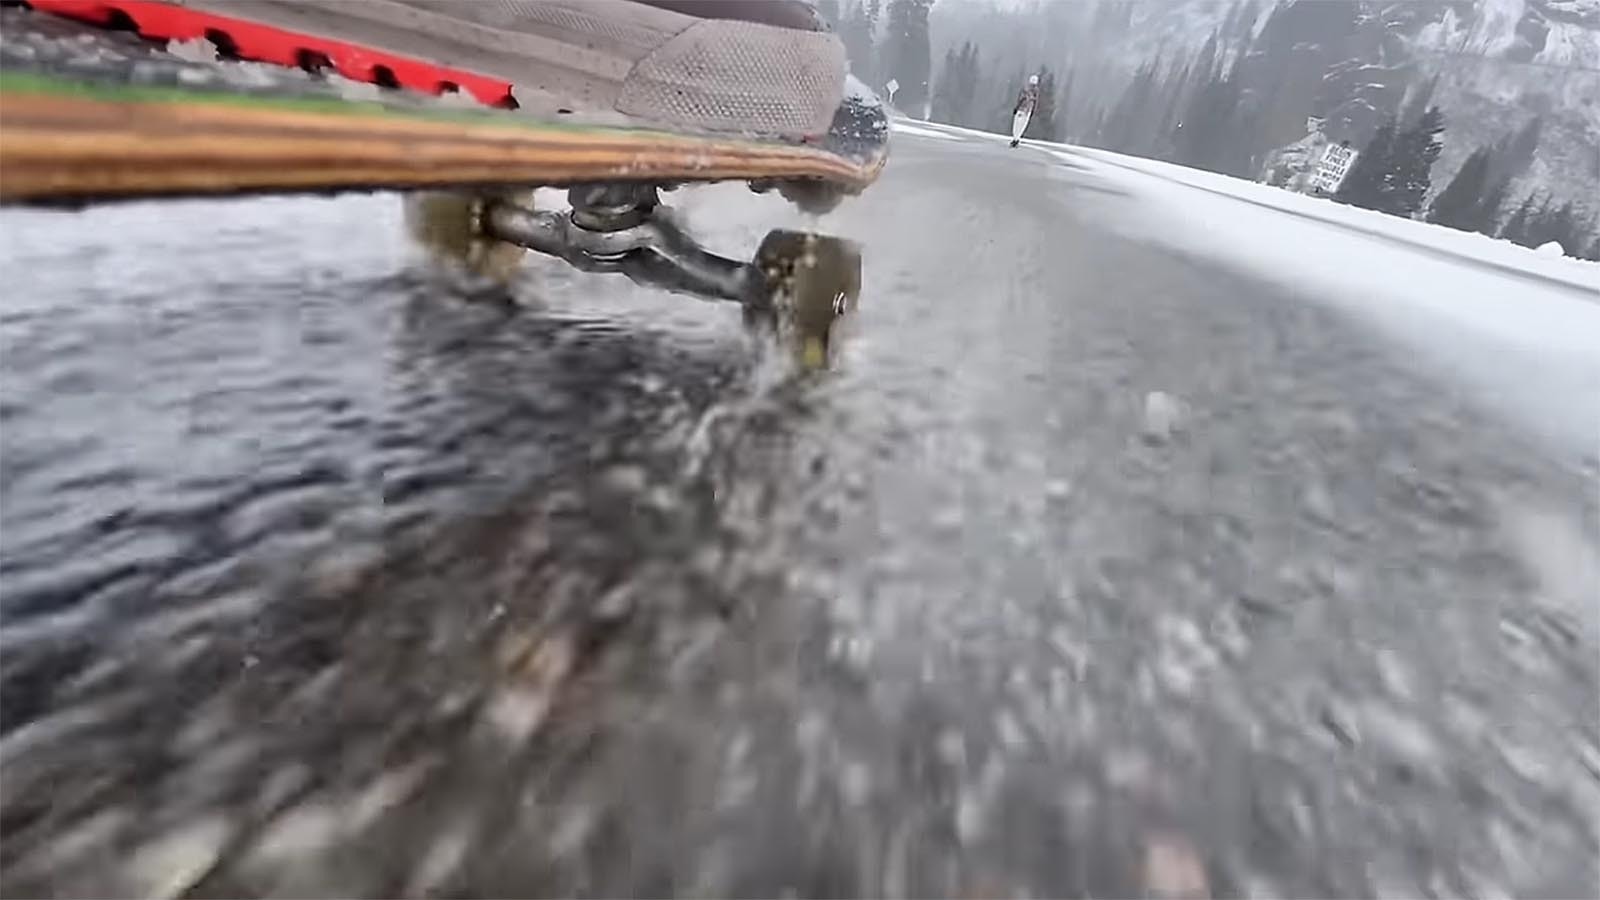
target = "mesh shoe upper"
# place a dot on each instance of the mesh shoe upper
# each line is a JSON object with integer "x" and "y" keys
{"x": 754, "y": 66}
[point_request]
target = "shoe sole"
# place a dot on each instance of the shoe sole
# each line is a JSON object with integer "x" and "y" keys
{"x": 640, "y": 63}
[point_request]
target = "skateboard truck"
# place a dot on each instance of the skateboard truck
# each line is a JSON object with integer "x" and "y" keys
{"x": 617, "y": 228}
{"x": 795, "y": 287}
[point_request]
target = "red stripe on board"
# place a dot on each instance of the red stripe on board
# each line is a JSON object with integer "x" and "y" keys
{"x": 263, "y": 43}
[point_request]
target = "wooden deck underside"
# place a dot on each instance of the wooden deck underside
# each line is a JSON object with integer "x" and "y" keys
{"x": 73, "y": 143}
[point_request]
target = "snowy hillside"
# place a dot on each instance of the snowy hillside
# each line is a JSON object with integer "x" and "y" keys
{"x": 1543, "y": 32}
{"x": 1548, "y": 32}
{"x": 1493, "y": 66}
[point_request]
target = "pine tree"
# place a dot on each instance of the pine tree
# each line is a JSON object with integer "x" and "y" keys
{"x": 1486, "y": 218}
{"x": 1516, "y": 227}
{"x": 956, "y": 85}
{"x": 1200, "y": 75}
{"x": 858, "y": 29}
{"x": 1417, "y": 102}
{"x": 1416, "y": 150}
{"x": 906, "y": 52}
{"x": 1558, "y": 224}
{"x": 975, "y": 71}
{"x": 1593, "y": 253}
{"x": 1572, "y": 233}
{"x": 1514, "y": 153}
{"x": 1127, "y": 128}
{"x": 1458, "y": 205}
{"x": 1064, "y": 110}
{"x": 999, "y": 112}
{"x": 1282, "y": 72}
{"x": 1097, "y": 126}
{"x": 1366, "y": 183}
{"x": 1203, "y": 137}
{"x": 1175, "y": 90}
{"x": 1540, "y": 224}
{"x": 944, "y": 88}
{"x": 1393, "y": 173}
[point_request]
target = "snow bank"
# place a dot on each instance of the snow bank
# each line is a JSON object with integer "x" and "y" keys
{"x": 911, "y": 126}
{"x": 956, "y": 131}
{"x": 1472, "y": 247}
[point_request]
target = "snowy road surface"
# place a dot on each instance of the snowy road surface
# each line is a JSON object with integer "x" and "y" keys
{"x": 1146, "y": 541}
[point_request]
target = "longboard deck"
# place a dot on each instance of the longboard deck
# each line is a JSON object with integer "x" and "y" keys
{"x": 87, "y": 115}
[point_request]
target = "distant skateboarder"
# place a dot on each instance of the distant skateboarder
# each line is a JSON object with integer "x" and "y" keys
{"x": 1026, "y": 101}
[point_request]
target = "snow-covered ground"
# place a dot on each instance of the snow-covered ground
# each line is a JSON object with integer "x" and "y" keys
{"x": 937, "y": 132}
{"x": 1521, "y": 330}
{"x": 1471, "y": 246}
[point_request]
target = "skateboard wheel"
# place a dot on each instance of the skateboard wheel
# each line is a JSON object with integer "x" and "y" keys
{"x": 447, "y": 225}
{"x": 812, "y": 280}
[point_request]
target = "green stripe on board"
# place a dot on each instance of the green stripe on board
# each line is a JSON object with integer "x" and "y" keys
{"x": 14, "y": 81}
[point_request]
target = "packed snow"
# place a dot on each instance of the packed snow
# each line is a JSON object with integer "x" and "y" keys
{"x": 1471, "y": 247}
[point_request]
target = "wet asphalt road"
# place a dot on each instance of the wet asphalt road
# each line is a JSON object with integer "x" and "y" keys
{"x": 1094, "y": 569}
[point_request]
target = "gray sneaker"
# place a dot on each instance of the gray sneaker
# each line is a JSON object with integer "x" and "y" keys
{"x": 768, "y": 67}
